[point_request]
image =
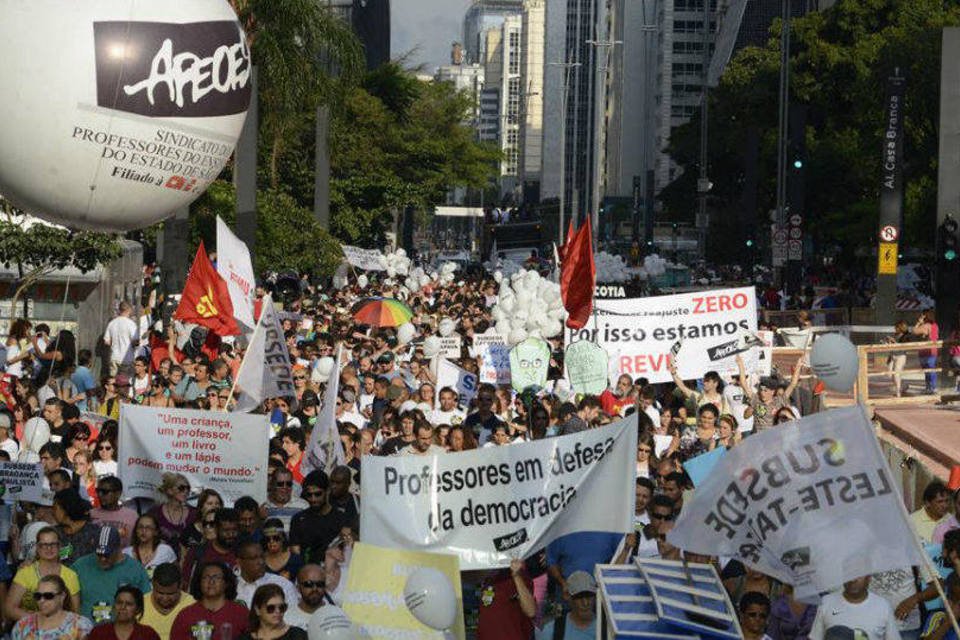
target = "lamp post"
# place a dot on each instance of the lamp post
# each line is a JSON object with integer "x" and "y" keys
{"x": 564, "y": 95}
{"x": 600, "y": 87}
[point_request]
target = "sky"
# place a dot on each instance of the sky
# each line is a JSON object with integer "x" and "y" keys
{"x": 429, "y": 26}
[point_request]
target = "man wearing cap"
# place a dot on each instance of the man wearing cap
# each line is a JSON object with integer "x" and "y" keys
{"x": 581, "y": 622}
{"x": 387, "y": 368}
{"x": 100, "y": 574}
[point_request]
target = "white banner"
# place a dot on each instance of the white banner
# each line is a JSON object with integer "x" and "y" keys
{"x": 226, "y": 452}
{"x": 325, "y": 449}
{"x": 809, "y": 503}
{"x": 494, "y": 355}
{"x": 365, "y": 259}
{"x": 21, "y": 481}
{"x": 234, "y": 266}
{"x": 493, "y": 504}
{"x": 266, "y": 371}
{"x": 638, "y": 333}
{"x": 458, "y": 379}
{"x": 450, "y": 347}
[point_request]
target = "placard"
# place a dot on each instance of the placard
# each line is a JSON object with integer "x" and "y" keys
{"x": 586, "y": 365}
{"x": 494, "y": 355}
{"x": 529, "y": 364}
{"x": 365, "y": 259}
{"x": 21, "y": 481}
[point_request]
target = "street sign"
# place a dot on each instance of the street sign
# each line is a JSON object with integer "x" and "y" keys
{"x": 796, "y": 233}
{"x": 887, "y": 259}
{"x": 796, "y": 220}
{"x": 889, "y": 233}
{"x": 780, "y": 237}
{"x": 778, "y": 245}
{"x": 795, "y": 251}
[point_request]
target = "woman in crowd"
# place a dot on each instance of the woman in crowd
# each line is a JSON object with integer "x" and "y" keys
{"x": 173, "y": 515}
{"x": 127, "y": 611}
{"x": 110, "y": 402}
{"x": 266, "y": 616}
{"x": 646, "y": 456}
{"x": 789, "y": 618}
{"x": 58, "y": 358}
{"x": 754, "y": 611}
{"x": 785, "y": 414}
{"x": 20, "y": 601}
{"x": 425, "y": 397}
{"x": 729, "y": 433}
{"x": 146, "y": 547}
{"x": 18, "y": 347}
{"x": 712, "y": 389}
{"x": 927, "y": 329}
{"x": 337, "y": 560}
{"x": 78, "y": 439}
{"x": 105, "y": 461}
{"x": 84, "y": 477}
{"x": 460, "y": 439}
{"x": 21, "y": 413}
{"x": 54, "y": 619}
{"x": 276, "y": 551}
{"x": 159, "y": 394}
{"x": 539, "y": 422}
{"x": 200, "y": 529}
{"x": 141, "y": 379}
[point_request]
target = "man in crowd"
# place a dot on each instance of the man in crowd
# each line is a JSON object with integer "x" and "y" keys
{"x": 166, "y": 600}
{"x": 314, "y": 528}
{"x": 507, "y": 607}
{"x": 121, "y": 336}
{"x": 281, "y": 503}
{"x": 483, "y": 420}
{"x": 448, "y": 412}
{"x": 312, "y": 587}
{"x": 858, "y": 609}
{"x": 248, "y": 512}
{"x": 220, "y": 550}
{"x": 253, "y": 574}
{"x": 340, "y": 497}
{"x": 935, "y": 510}
{"x": 581, "y": 622}
{"x": 214, "y": 614}
{"x": 588, "y": 410}
{"x": 102, "y": 572}
{"x": 53, "y": 414}
{"x": 109, "y": 490}
{"x": 424, "y": 444}
{"x": 613, "y": 401}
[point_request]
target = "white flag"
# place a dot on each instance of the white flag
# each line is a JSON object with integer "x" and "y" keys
{"x": 811, "y": 503}
{"x": 266, "y": 371}
{"x": 458, "y": 379}
{"x": 234, "y": 266}
{"x": 325, "y": 450}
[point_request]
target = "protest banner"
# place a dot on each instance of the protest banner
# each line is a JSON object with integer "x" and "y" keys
{"x": 529, "y": 364}
{"x": 234, "y": 266}
{"x": 638, "y": 333}
{"x": 494, "y": 356}
{"x": 22, "y": 481}
{"x": 493, "y": 504}
{"x": 450, "y": 347}
{"x": 586, "y": 365}
{"x": 366, "y": 259}
{"x": 325, "y": 449}
{"x": 807, "y": 503}
{"x": 373, "y": 599}
{"x": 266, "y": 371}
{"x": 226, "y": 452}
{"x": 458, "y": 379}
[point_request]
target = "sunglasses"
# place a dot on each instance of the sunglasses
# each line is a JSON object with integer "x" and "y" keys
{"x": 660, "y": 516}
{"x": 105, "y": 447}
{"x": 45, "y": 595}
{"x": 313, "y": 584}
{"x": 104, "y": 490}
{"x": 273, "y": 608}
{"x": 283, "y": 484}
{"x": 312, "y": 494}
{"x": 299, "y": 378}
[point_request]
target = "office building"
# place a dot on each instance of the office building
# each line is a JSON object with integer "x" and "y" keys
{"x": 370, "y": 20}
{"x": 533, "y": 32}
{"x": 481, "y": 16}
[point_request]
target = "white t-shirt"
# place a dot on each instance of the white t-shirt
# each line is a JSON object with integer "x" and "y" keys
{"x": 736, "y": 400}
{"x": 121, "y": 335}
{"x": 453, "y": 417}
{"x": 894, "y": 587}
{"x": 873, "y": 616}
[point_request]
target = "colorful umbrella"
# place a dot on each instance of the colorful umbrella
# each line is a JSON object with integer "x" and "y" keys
{"x": 383, "y": 312}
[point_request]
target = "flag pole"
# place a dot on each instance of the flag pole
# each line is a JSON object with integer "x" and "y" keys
{"x": 256, "y": 330}
{"x": 934, "y": 575}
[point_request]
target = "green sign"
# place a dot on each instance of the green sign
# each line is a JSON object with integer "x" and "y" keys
{"x": 529, "y": 363}
{"x": 586, "y": 364}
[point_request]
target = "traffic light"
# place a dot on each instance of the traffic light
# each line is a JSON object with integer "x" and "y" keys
{"x": 798, "y": 163}
{"x": 948, "y": 274}
{"x": 948, "y": 236}
{"x": 750, "y": 243}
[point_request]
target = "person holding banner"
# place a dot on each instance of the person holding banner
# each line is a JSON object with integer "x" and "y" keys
{"x": 507, "y": 606}
{"x": 765, "y": 401}
{"x": 712, "y": 389}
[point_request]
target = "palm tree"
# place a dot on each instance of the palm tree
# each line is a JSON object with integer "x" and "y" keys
{"x": 306, "y": 57}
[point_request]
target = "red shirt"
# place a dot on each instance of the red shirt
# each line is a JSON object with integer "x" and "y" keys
{"x": 612, "y": 405}
{"x": 107, "y": 632}
{"x": 296, "y": 470}
{"x": 501, "y": 617}
{"x": 196, "y": 622}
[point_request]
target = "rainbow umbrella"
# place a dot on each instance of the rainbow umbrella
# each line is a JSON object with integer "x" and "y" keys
{"x": 382, "y": 312}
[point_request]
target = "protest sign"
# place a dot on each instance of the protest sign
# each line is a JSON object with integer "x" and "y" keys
{"x": 374, "y": 601}
{"x": 93, "y": 420}
{"x": 450, "y": 347}
{"x": 529, "y": 364}
{"x": 458, "y": 379}
{"x": 586, "y": 365}
{"x": 21, "y": 481}
{"x": 223, "y": 451}
{"x": 266, "y": 371}
{"x": 366, "y": 259}
{"x": 638, "y": 333}
{"x": 234, "y": 266}
{"x": 494, "y": 356}
{"x": 807, "y": 503}
{"x": 493, "y": 504}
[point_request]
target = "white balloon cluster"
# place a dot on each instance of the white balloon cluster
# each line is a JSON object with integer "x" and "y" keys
{"x": 653, "y": 266}
{"x": 396, "y": 263}
{"x": 528, "y": 305}
{"x": 610, "y": 268}
{"x": 504, "y": 268}
{"x": 447, "y": 269}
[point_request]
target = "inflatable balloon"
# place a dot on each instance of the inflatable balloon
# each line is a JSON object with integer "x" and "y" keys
{"x": 405, "y": 333}
{"x": 118, "y": 112}
{"x": 322, "y": 369}
{"x": 362, "y": 280}
{"x": 446, "y": 327}
{"x": 834, "y": 360}
{"x": 430, "y": 598}
{"x": 36, "y": 433}
{"x": 431, "y": 346}
{"x": 330, "y": 623}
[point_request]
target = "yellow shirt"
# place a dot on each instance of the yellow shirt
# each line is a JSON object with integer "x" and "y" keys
{"x": 924, "y": 524}
{"x": 28, "y": 577}
{"x": 163, "y": 623}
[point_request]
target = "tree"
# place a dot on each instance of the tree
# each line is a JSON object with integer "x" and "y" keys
{"x": 306, "y": 56}
{"x": 38, "y": 249}
{"x": 288, "y": 235}
{"x": 840, "y": 60}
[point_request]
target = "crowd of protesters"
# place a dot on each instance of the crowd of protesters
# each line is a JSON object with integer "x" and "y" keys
{"x": 187, "y": 565}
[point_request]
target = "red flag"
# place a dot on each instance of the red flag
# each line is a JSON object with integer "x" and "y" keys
{"x": 578, "y": 278}
{"x": 568, "y": 240}
{"x": 206, "y": 300}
